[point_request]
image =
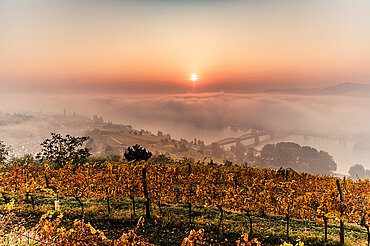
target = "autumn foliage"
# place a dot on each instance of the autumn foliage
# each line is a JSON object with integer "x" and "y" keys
{"x": 232, "y": 188}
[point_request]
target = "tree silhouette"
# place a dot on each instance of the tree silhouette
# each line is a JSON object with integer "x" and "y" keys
{"x": 358, "y": 172}
{"x": 59, "y": 150}
{"x": 301, "y": 158}
{"x": 4, "y": 152}
{"x": 137, "y": 153}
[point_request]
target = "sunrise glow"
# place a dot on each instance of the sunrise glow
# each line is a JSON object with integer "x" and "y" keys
{"x": 194, "y": 77}
{"x": 96, "y": 47}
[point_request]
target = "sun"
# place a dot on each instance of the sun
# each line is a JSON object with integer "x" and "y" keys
{"x": 194, "y": 77}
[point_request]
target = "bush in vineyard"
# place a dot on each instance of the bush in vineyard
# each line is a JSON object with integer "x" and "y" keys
{"x": 194, "y": 238}
{"x": 50, "y": 230}
{"x": 244, "y": 241}
{"x": 137, "y": 153}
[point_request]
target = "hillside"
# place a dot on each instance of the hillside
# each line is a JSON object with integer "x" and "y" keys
{"x": 107, "y": 142}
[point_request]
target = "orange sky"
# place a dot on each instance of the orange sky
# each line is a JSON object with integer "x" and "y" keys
{"x": 296, "y": 43}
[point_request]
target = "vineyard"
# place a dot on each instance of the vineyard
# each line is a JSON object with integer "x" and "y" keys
{"x": 141, "y": 203}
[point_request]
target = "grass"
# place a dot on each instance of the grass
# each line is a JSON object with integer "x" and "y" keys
{"x": 170, "y": 227}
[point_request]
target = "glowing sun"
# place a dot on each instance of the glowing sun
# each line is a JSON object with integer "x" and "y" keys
{"x": 194, "y": 77}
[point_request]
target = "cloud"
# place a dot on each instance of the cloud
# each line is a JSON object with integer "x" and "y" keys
{"x": 311, "y": 115}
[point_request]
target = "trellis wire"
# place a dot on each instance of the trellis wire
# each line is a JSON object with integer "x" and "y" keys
{"x": 20, "y": 234}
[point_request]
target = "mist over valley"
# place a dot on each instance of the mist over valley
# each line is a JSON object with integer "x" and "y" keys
{"x": 332, "y": 119}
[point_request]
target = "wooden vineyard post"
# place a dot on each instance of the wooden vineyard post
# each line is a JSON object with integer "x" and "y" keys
{"x": 221, "y": 217}
{"x": 146, "y": 195}
{"x": 326, "y": 228}
{"x": 190, "y": 191}
{"x": 57, "y": 205}
{"x": 341, "y": 232}
{"x": 133, "y": 214}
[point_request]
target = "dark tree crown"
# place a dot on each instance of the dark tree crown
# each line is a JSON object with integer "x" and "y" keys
{"x": 137, "y": 153}
{"x": 59, "y": 150}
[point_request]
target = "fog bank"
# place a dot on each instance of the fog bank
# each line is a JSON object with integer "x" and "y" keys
{"x": 213, "y": 116}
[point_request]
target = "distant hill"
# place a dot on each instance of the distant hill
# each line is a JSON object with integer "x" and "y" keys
{"x": 347, "y": 88}
{"x": 294, "y": 91}
{"x": 339, "y": 89}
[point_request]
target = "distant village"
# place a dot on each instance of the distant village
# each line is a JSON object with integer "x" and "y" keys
{"x": 107, "y": 138}
{"x": 25, "y": 132}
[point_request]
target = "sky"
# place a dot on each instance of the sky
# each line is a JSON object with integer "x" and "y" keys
{"x": 155, "y": 45}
